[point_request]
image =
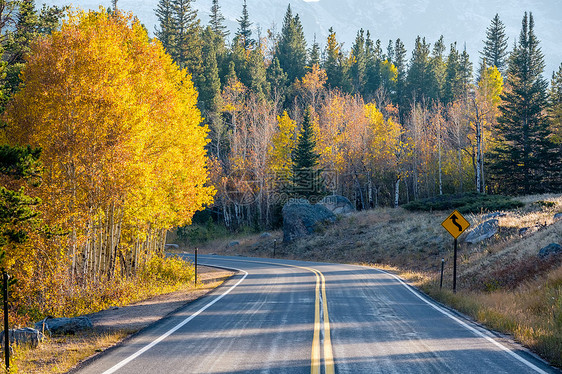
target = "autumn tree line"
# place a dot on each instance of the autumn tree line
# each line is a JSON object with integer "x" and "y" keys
{"x": 388, "y": 126}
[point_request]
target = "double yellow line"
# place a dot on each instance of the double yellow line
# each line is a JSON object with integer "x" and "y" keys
{"x": 318, "y": 320}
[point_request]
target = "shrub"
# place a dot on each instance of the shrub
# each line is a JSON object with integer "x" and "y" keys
{"x": 465, "y": 203}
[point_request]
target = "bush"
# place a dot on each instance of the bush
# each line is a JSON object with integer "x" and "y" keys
{"x": 465, "y": 203}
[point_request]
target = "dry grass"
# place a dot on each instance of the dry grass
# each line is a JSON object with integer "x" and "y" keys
{"x": 60, "y": 354}
{"x": 502, "y": 282}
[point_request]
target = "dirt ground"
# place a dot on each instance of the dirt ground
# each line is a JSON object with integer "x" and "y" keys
{"x": 139, "y": 315}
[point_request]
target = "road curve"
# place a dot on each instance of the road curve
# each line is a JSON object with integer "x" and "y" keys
{"x": 280, "y": 316}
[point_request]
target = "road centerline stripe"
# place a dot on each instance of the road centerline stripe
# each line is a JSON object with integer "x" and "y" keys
{"x": 124, "y": 362}
{"x": 319, "y": 320}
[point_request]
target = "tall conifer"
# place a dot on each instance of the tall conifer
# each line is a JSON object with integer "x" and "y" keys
{"x": 306, "y": 180}
{"x": 217, "y": 20}
{"x": 244, "y": 32}
{"x": 291, "y": 49}
{"x": 495, "y": 46}
{"x": 523, "y": 157}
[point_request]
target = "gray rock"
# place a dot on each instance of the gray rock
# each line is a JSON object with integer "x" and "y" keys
{"x": 64, "y": 325}
{"x": 494, "y": 215}
{"x": 337, "y": 204}
{"x": 557, "y": 216}
{"x": 25, "y": 336}
{"x": 300, "y": 220}
{"x": 523, "y": 230}
{"x": 551, "y": 249}
{"x": 233, "y": 244}
{"x": 482, "y": 231}
{"x": 265, "y": 235}
{"x": 171, "y": 246}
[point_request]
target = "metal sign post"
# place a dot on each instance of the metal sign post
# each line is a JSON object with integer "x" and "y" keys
{"x": 455, "y": 224}
{"x": 6, "y": 328}
{"x": 196, "y": 249}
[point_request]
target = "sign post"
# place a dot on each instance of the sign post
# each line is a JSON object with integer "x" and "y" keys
{"x": 455, "y": 224}
{"x": 196, "y": 250}
{"x": 6, "y": 328}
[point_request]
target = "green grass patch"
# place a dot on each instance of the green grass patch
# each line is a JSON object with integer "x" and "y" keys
{"x": 465, "y": 203}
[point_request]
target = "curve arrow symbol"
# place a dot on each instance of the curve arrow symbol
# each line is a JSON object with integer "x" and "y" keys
{"x": 454, "y": 218}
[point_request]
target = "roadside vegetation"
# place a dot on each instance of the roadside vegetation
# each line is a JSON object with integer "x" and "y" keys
{"x": 502, "y": 282}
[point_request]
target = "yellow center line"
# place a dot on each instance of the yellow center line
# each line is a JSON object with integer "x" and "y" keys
{"x": 328, "y": 354}
{"x": 315, "y": 357}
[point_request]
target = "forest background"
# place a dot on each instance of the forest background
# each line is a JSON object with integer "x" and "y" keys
{"x": 130, "y": 136}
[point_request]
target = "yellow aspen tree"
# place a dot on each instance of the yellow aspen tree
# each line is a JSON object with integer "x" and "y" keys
{"x": 123, "y": 148}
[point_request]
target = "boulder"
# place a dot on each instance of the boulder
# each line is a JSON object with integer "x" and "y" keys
{"x": 483, "y": 231}
{"x": 557, "y": 216}
{"x": 337, "y": 204}
{"x": 551, "y": 249}
{"x": 265, "y": 235}
{"x": 171, "y": 246}
{"x": 300, "y": 220}
{"x": 233, "y": 244}
{"x": 25, "y": 336}
{"x": 64, "y": 325}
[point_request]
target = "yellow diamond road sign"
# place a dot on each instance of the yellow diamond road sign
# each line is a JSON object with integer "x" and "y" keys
{"x": 455, "y": 224}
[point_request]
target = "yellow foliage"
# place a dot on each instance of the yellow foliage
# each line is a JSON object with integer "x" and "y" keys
{"x": 123, "y": 148}
{"x": 282, "y": 145}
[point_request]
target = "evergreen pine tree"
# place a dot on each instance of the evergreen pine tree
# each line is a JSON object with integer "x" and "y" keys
{"x": 187, "y": 39}
{"x": 358, "y": 68}
{"x": 166, "y": 31}
{"x": 465, "y": 70}
{"x": 314, "y": 54}
{"x": 555, "y": 116}
{"x": 452, "y": 85}
{"x": 399, "y": 62}
{"x": 244, "y": 32}
{"x": 291, "y": 49}
{"x": 390, "y": 51}
{"x": 306, "y": 179}
{"x": 438, "y": 65}
{"x": 334, "y": 64}
{"x": 422, "y": 84}
{"x": 258, "y": 74}
{"x": 217, "y": 21}
{"x": 277, "y": 79}
{"x": 372, "y": 69}
{"x": 209, "y": 92}
{"x": 18, "y": 212}
{"x": 523, "y": 158}
{"x": 495, "y": 46}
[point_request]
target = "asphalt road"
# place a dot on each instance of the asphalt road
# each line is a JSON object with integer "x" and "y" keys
{"x": 279, "y": 316}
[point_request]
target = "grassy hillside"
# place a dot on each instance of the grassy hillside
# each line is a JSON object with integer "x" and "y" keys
{"x": 502, "y": 282}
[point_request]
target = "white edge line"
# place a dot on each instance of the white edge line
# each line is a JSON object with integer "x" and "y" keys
{"x": 466, "y": 326}
{"x": 174, "y": 329}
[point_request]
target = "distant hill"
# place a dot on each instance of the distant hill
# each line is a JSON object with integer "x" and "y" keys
{"x": 462, "y": 21}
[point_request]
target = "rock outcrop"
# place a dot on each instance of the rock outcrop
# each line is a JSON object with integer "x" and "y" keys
{"x": 483, "y": 231}
{"x": 64, "y": 326}
{"x": 549, "y": 250}
{"x": 300, "y": 220}
{"x": 26, "y": 336}
{"x": 337, "y": 204}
